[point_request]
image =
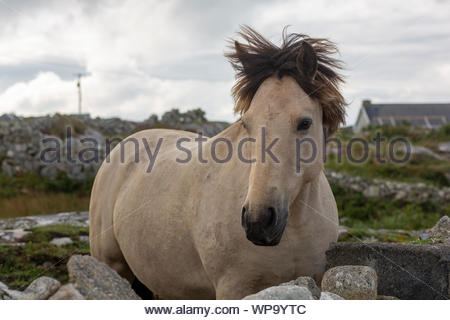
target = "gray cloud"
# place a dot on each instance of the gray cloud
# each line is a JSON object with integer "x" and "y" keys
{"x": 26, "y": 71}
{"x": 146, "y": 57}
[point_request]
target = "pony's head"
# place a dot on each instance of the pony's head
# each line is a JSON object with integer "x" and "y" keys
{"x": 286, "y": 96}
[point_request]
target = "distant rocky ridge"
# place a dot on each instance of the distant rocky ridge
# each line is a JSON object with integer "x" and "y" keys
{"x": 23, "y": 138}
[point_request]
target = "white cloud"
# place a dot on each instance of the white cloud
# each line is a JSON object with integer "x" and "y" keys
{"x": 46, "y": 93}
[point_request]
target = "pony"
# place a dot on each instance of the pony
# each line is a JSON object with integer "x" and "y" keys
{"x": 227, "y": 216}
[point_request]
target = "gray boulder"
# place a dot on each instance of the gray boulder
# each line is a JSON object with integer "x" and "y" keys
{"x": 67, "y": 292}
{"x": 372, "y": 192}
{"x": 40, "y": 289}
{"x": 307, "y": 282}
{"x": 59, "y": 242}
{"x": 444, "y": 147}
{"x": 406, "y": 271}
{"x": 330, "y": 296}
{"x": 3, "y": 291}
{"x": 84, "y": 238}
{"x": 381, "y": 297}
{"x": 285, "y": 292}
{"x": 97, "y": 281}
{"x": 441, "y": 229}
{"x": 10, "y": 294}
{"x": 351, "y": 282}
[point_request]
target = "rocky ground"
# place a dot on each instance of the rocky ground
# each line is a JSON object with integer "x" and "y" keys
{"x": 37, "y": 250}
{"x": 88, "y": 279}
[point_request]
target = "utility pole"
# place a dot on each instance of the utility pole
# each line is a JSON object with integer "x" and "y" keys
{"x": 79, "y": 75}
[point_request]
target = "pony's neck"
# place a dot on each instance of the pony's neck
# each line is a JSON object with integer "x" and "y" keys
{"x": 233, "y": 133}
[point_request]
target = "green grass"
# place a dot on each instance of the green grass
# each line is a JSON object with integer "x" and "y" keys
{"x": 20, "y": 265}
{"x": 31, "y": 182}
{"x": 431, "y": 173}
{"x": 357, "y": 235}
{"x": 428, "y": 241}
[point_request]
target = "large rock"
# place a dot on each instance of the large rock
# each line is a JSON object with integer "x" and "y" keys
{"x": 40, "y": 289}
{"x": 3, "y": 291}
{"x": 12, "y": 235}
{"x": 307, "y": 282}
{"x": 386, "y": 298}
{"x": 10, "y": 294}
{"x": 330, "y": 296}
{"x": 3, "y": 286}
{"x": 441, "y": 229}
{"x": 97, "y": 281}
{"x": 405, "y": 271}
{"x": 285, "y": 292}
{"x": 444, "y": 147}
{"x": 351, "y": 282}
{"x": 63, "y": 241}
{"x": 67, "y": 292}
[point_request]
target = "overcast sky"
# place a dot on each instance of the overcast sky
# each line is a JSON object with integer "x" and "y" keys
{"x": 145, "y": 57}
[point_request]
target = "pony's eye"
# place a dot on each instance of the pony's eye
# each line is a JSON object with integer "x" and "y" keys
{"x": 304, "y": 124}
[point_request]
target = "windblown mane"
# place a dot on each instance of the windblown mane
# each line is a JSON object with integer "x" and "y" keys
{"x": 260, "y": 59}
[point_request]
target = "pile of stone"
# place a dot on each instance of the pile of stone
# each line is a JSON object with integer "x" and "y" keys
{"x": 88, "y": 279}
{"x": 406, "y": 271}
{"x": 339, "y": 283}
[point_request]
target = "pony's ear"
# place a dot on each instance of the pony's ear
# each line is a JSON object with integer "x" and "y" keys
{"x": 237, "y": 47}
{"x": 242, "y": 55}
{"x": 307, "y": 61}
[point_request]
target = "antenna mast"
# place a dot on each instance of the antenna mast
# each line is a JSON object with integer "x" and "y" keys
{"x": 79, "y": 75}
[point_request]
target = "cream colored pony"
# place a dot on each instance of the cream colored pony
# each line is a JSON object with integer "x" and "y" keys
{"x": 207, "y": 223}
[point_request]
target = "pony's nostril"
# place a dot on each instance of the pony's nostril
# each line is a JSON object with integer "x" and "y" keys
{"x": 272, "y": 217}
{"x": 244, "y": 210}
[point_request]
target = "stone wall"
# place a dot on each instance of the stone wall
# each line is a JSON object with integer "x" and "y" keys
{"x": 23, "y": 139}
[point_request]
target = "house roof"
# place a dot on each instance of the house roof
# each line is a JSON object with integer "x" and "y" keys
{"x": 411, "y": 112}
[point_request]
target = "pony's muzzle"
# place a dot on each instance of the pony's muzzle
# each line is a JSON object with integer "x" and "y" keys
{"x": 263, "y": 227}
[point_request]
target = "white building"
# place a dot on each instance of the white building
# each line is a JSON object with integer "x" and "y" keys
{"x": 427, "y": 115}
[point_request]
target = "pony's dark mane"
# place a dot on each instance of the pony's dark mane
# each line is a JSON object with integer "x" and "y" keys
{"x": 260, "y": 59}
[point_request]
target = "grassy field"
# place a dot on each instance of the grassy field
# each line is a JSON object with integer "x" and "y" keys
{"x": 358, "y": 211}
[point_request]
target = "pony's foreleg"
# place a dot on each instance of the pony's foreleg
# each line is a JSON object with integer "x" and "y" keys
{"x": 235, "y": 286}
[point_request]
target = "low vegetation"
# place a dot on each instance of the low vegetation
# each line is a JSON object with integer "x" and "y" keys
{"x": 358, "y": 211}
{"x": 21, "y": 264}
